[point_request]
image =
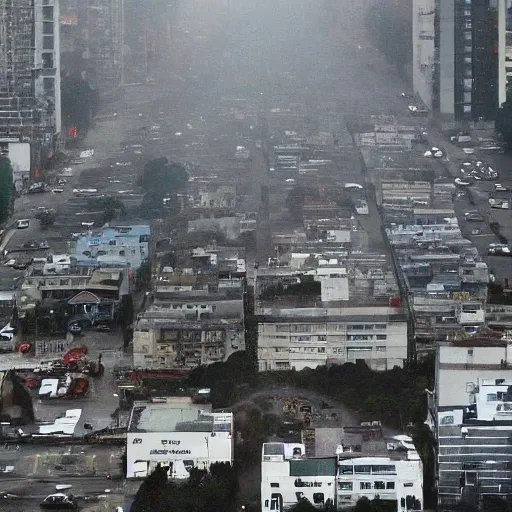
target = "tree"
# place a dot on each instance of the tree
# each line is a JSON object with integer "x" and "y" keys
{"x": 47, "y": 219}
{"x": 112, "y": 207}
{"x": 6, "y": 187}
{"x": 303, "y": 505}
{"x": 143, "y": 276}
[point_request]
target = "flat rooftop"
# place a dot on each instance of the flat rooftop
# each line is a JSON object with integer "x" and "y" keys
{"x": 175, "y": 415}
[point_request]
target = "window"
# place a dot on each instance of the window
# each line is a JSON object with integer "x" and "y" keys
{"x": 300, "y": 328}
{"x": 47, "y": 27}
{"x": 362, "y": 470}
{"x": 347, "y": 470}
{"x": 492, "y": 397}
{"x": 355, "y": 327}
{"x": 467, "y": 109}
{"x": 48, "y": 43}
{"x": 380, "y": 326}
{"x": 282, "y": 328}
{"x": 48, "y": 84}
{"x": 321, "y": 350}
{"x": 447, "y": 420}
{"x": 379, "y": 485}
{"x": 274, "y": 484}
{"x": 380, "y": 349}
{"x": 322, "y": 338}
{"x": 390, "y": 485}
{"x": 346, "y": 486}
{"x": 408, "y": 484}
{"x": 48, "y": 13}
{"x": 47, "y": 60}
{"x": 382, "y": 337}
{"x": 368, "y": 327}
{"x": 318, "y": 497}
{"x": 467, "y": 36}
{"x": 383, "y": 469}
{"x": 365, "y": 485}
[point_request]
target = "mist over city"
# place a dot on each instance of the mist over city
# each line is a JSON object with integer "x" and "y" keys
{"x": 255, "y": 256}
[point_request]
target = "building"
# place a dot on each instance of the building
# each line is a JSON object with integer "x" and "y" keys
{"x": 470, "y": 74}
{"x": 423, "y": 49}
{"x": 115, "y": 245}
{"x": 195, "y": 312}
{"x": 470, "y": 414}
{"x": 177, "y": 433}
{"x": 30, "y": 74}
{"x": 332, "y": 313}
{"x": 390, "y": 469}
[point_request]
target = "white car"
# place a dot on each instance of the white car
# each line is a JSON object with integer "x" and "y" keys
{"x": 462, "y": 183}
{"x": 499, "y": 187}
{"x": 23, "y": 224}
{"x": 498, "y": 250}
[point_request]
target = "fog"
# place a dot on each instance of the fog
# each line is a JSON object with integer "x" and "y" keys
{"x": 301, "y": 50}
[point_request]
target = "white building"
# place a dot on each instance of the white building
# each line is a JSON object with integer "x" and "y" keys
{"x": 423, "y": 48}
{"x": 470, "y": 414}
{"x": 297, "y": 339}
{"x": 177, "y": 433}
{"x": 394, "y": 472}
{"x": 286, "y": 477}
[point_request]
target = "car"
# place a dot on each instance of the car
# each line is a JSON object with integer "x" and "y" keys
{"x": 473, "y": 217}
{"x": 498, "y": 250}
{"x": 75, "y": 329}
{"x": 104, "y": 327}
{"x": 460, "y": 182}
{"x": 23, "y": 224}
{"x": 498, "y": 187}
{"x": 10, "y": 263}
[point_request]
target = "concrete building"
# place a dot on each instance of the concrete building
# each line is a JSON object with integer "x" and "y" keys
{"x": 423, "y": 49}
{"x": 470, "y": 70}
{"x": 332, "y": 313}
{"x": 176, "y": 433}
{"x": 390, "y": 469}
{"x": 30, "y": 74}
{"x": 470, "y": 414}
{"x": 194, "y": 314}
{"x": 115, "y": 245}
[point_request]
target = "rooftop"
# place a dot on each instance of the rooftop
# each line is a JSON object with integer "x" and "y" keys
{"x": 177, "y": 414}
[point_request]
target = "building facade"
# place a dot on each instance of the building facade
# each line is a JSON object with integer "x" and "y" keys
{"x": 30, "y": 73}
{"x": 469, "y": 76}
{"x": 377, "y": 335}
{"x": 470, "y": 413}
{"x": 343, "y": 478}
{"x": 177, "y": 434}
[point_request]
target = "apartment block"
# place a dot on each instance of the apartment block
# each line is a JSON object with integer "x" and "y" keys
{"x": 470, "y": 414}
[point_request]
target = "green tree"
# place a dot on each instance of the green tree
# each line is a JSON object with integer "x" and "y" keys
{"x": 303, "y": 505}
{"x": 143, "y": 276}
{"x": 6, "y": 187}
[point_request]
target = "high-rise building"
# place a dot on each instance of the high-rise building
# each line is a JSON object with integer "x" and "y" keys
{"x": 30, "y": 73}
{"x": 93, "y": 36}
{"x": 469, "y": 65}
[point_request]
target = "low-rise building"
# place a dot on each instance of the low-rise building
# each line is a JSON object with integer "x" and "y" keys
{"x": 390, "y": 469}
{"x": 176, "y": 433}
{"x": 117, "y": 245}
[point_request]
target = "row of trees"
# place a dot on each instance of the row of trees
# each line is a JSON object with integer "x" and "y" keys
{"x": 202, "y": 492}
{"x": 6, "y": 187}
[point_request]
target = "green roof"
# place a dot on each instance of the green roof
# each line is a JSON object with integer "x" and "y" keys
{"x": 313, "y": 467}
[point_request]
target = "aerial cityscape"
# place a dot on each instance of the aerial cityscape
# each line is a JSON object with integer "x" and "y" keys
{"x": 256, "y": 256}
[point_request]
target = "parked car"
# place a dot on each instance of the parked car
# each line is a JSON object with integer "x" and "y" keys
{"x": 473, "y": 217}
{"x": 498, "y": 250}
{"x": 498, "y": 187}
{"x": 75, "y": 329}
{"x": 23, "y": 224}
